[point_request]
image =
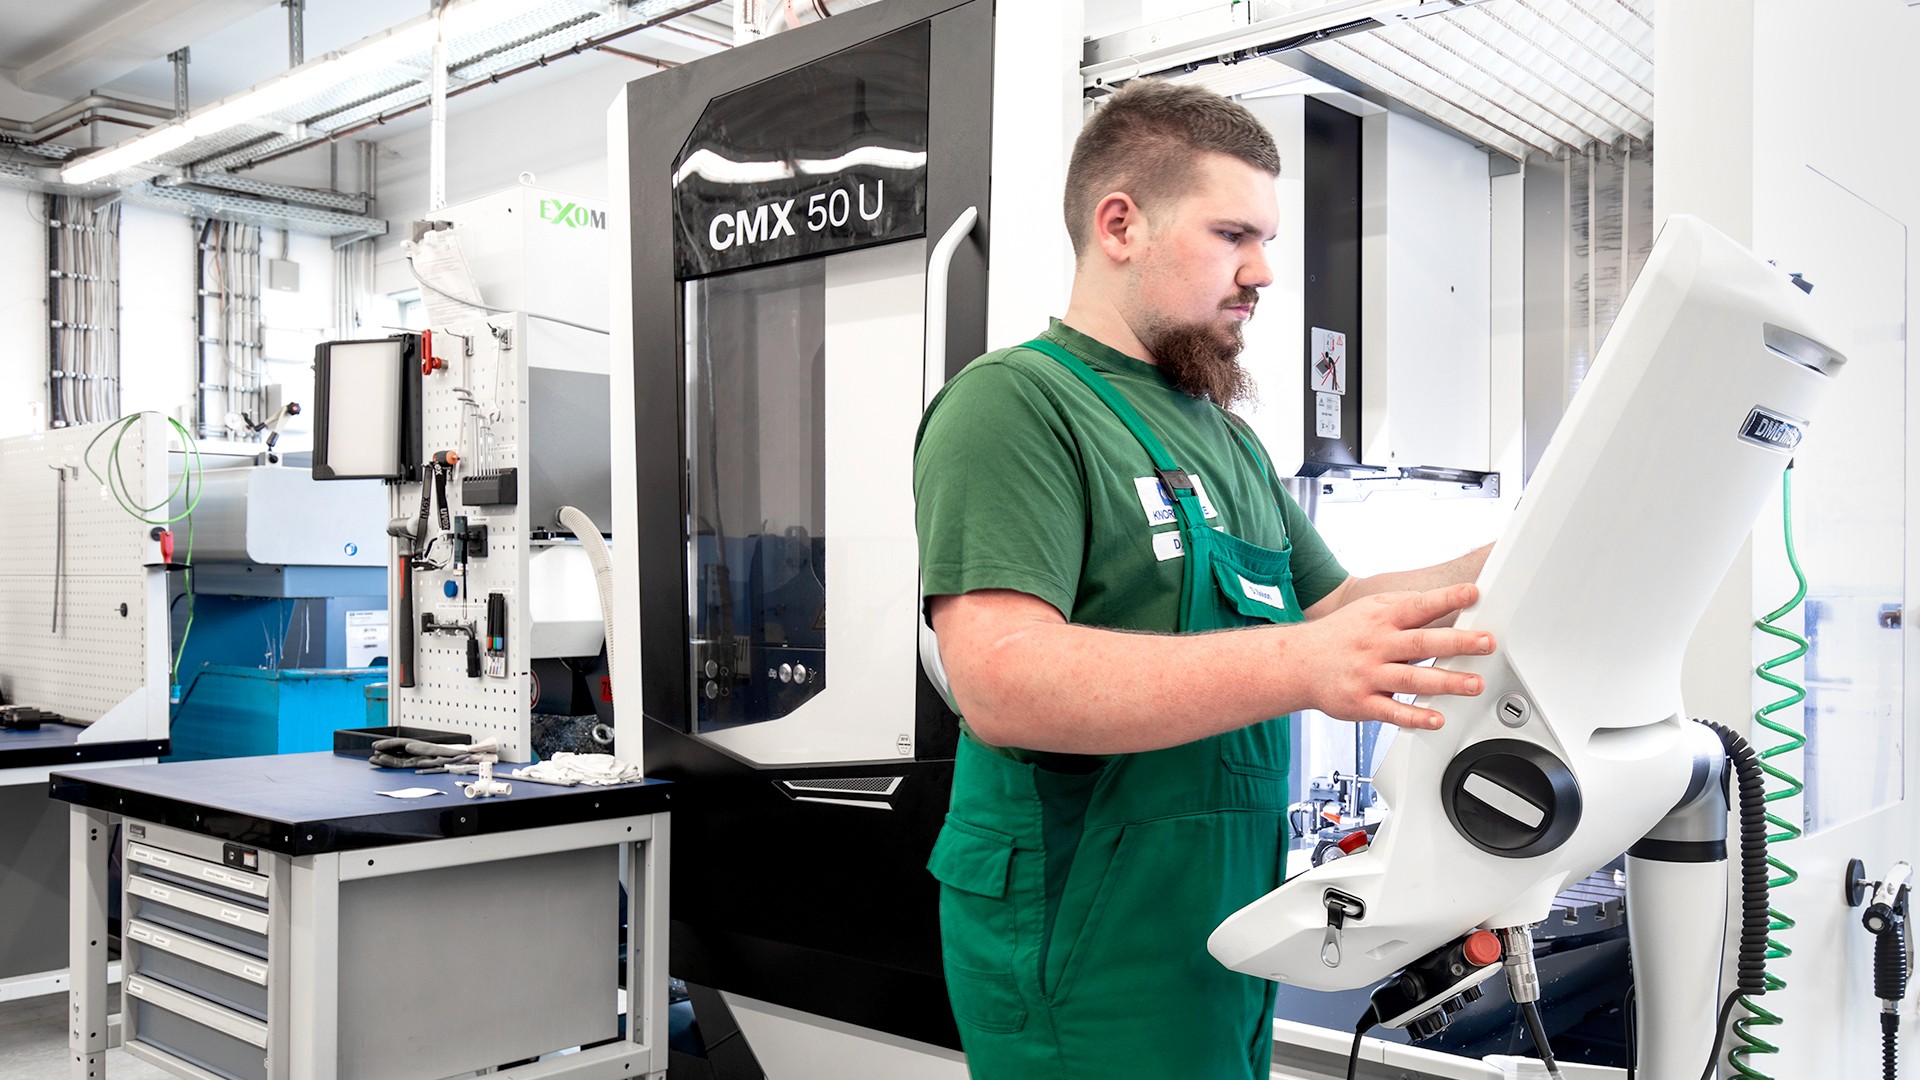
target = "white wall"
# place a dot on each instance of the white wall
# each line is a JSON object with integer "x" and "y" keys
{"x": 23, "y": 313}
{"x": 1424, "y": 302}
{"x": 156, "y": 311}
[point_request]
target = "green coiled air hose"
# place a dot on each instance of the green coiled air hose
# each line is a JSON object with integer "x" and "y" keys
{"x": 1782, "y": 785}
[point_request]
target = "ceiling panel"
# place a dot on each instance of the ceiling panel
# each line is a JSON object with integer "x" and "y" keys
{"x": 1520, "y": 76}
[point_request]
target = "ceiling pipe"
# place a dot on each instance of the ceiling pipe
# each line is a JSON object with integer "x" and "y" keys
{"x": 589, "y": 45}
{"x": 75, "y": 125}
{"x": 91, "y": 108}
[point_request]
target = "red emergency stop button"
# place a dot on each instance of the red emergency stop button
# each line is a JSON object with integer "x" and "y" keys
{"x": 1481, "y": 948}
{"x": 1354, "y": 841}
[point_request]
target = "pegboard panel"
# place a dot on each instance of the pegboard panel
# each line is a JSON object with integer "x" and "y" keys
{"x": 476, "y": 405}
{"x": 107, "y": 636}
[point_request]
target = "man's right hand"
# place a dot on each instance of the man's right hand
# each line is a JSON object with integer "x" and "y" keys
{"x": 1366, "y": 651}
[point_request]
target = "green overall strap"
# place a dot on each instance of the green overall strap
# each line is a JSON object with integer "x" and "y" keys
{"x": 1176, "y": 482}
{"x": 1245, "y": 433}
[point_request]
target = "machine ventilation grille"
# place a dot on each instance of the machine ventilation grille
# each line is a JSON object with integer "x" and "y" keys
{"x": 872, "y": 785}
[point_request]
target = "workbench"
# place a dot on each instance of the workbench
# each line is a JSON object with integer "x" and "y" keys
{"x": 285, "y": 920}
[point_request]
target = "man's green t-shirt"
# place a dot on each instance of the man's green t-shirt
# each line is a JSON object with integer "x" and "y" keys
{"x": 1024, "y": 480}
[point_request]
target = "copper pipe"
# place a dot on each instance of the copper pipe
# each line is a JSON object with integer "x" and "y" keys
{"x": 83, "y": 122}
{"x": 696, "y": 35}
{"x": 654, "y": 60}
{"x": 86, "y": 106}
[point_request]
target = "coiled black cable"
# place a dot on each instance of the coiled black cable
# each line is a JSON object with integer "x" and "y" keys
{"x": 1751, "y": 966}
{"x": 1890, "y": 959}
{"x": 1890, "y": 1046}
{"x": 1890, "y": 985}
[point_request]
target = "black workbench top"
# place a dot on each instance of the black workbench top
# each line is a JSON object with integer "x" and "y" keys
{"x": 59, "y": 744}
{"x": 310, "y": 804}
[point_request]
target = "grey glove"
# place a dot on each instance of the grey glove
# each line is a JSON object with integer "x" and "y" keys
{"x": 399, "y": 753}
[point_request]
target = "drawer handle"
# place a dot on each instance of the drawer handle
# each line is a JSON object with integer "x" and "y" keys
{"x": 254, "y": 972}
{"x": 158, "y": 940}
{"x": 158, "y": 893}
{"x": 231, "y": 915}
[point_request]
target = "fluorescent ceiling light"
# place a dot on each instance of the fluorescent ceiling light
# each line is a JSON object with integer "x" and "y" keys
{"x": 314, "y": 77}
{"x": 309, "y": 79}
{"x": 127, "y": 153}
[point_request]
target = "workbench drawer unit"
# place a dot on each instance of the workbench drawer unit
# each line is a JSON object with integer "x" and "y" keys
{"x": 196, "y": 947}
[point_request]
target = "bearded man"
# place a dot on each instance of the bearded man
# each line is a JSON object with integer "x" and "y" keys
{"x": 1128, "y": 605}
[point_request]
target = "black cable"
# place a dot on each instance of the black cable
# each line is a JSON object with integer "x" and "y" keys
{"x": 1890, "y": 1045}
{"x": 1633, "y": 1028}
{"x": 1890, "y": 973}
{"x": 1530, "y": 1012}
{"x": 1751, "y": 968}
{"x": 1360, "y": 1028}
{"x": 1720, "y": 1033}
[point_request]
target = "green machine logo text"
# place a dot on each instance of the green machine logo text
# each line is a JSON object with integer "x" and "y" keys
{"x": 572, "y": 215}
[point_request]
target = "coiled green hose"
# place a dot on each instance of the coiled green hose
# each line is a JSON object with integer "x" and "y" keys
{"x": 1784, "y": 785}
{"x": 190, "y": 486}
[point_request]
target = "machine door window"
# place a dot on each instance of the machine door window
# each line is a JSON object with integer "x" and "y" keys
{"x": 756, "y": 449}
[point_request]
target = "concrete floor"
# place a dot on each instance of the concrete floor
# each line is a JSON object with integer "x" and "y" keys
{"x": 33, "y": 1044}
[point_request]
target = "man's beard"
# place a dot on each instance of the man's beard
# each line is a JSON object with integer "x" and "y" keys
{"x": 1202, "y": 361}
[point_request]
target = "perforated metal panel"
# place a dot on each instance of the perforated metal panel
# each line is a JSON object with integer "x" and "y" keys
{"x": 477, "y": 406}
{"x": 106, "y": 638}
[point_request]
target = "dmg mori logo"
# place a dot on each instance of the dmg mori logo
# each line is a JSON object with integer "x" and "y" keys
{"x": 572, "y": 215}
{"x": 1772, "y": 430}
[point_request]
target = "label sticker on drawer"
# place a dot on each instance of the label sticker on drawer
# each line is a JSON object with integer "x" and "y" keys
{"x": 140, "y": 932}
{"x": 221, "y": 877}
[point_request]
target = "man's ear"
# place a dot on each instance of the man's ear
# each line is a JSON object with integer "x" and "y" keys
{"x": 1119, "y": 225}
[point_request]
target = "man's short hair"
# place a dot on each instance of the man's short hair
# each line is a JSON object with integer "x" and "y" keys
{"x": 1145, "y": 140}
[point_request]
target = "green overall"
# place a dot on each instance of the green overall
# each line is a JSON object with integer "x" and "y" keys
{"x": 1075, "y": 907}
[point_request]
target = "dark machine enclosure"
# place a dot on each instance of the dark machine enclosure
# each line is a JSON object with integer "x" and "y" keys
{"x": 823, "y": 908}
{"x": 1332, "y": 280}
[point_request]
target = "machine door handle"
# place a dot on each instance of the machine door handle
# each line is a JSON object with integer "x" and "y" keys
{"x": 939, "y": 265}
